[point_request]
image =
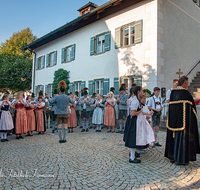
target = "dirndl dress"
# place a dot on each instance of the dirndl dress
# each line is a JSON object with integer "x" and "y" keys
{"x": 72, "y": 118}
{"x": 97, "y": 118}
{"x": 40, "y": 119}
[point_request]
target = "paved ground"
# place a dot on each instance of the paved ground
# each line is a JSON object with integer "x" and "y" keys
{"x": 89, "y": 161}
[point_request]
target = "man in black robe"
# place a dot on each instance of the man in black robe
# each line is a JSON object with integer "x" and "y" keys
{"x": 182, "y": 143}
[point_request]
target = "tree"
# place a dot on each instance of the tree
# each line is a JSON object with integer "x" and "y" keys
{"x": 14, "y": 62}
{"x": 59, "y": 75}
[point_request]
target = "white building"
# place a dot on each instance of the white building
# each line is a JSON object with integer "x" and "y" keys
{"x": 122, "y": 41}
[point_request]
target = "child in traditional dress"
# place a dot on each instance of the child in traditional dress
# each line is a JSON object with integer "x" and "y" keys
{"x": 20, "y": 118}
{"x": 30, "y": 116}
{"x": 40, "y": 117}
{"x": 72, "y": 116}
{"x": 6, "y": 122}
{"x": 137, "y": 132}
{"x": 97, "y": 118}
{"x": 109, "y": 116}
{"x": 93, "y": 99}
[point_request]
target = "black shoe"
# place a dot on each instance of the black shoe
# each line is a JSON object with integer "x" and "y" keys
{"x": 68, "y": 131}
{"x": 60, "y": 141}
{"x": 2, "y": 140}
{"x": 137, "y": 155}
{"x": 157, "y": 144}
{"x": 181, "y": 164}
{"x": 119, "y": 132}
{"x": 97, "y": 131}
{"x": 9, "y": 134}
{"x": 53, "y": 131}
{"x": 135, "y": 161}
{"x": 39, "y": 133}
{"x": 87, "y": 130}
{"x": 17, "y": 138}
{"x": 172, "y": 161}
{"x": 21, "y": 137}
{"x": 83, "y": 130}
{"x": 72, "y": 131}
{"x": 113, "y": 131}
{"x": 122, "y": 132}
{"x": 90, "y": 127}
{"x": 64, "y": 141}
{"x": 94, "y": 127}
{"x": 6, "y": 140}
{"x": 80, "y": 127}
{"x": 109, "y": 131}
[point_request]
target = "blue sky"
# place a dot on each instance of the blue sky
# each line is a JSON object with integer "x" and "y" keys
{"x": 41, "y": 16}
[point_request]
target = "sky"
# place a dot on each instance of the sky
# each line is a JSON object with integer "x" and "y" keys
{"x": 41, "y": 16}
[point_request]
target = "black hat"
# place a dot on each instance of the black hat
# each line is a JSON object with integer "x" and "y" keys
{"x": 112, "y": 89}
{"x": 55, "y": 91}
{"x": 122, "y": 88}
{"x": 33, "y": 95}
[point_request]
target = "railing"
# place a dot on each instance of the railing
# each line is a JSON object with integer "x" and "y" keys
{"x": 192, "y": 68}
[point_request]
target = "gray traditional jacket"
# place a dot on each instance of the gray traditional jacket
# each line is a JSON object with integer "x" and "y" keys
{"x": 122, "y": 103}
{"x": 61, "y": 104}
{"x": 78, "y": 106}
{"x": 89, "y": 102}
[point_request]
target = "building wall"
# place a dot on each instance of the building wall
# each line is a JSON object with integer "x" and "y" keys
{"x": 140, "y": 59}
{"x": 180, "y": 38}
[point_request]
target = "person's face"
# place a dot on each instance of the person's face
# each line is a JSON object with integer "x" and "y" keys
{"x": 175, "y": 84}
{"x": 140, "y": 93}
{"x": 157, "y": 92}
{"x": 20, "y": 96}
{"x": 98, "y": 97}
{"x": 85, "y": 96}
{"x": 6, "y": 98}
{"x": 122, "y": 92}
{"x": 29, "y": 98}
{"x": 185, "y": 84}
{"x": 40, "y": 100}
{"x": 32, "y": 98}
{"x": 143, "y": 100}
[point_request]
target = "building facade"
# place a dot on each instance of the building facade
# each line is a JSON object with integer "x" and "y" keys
{"x": 139, "y": 41}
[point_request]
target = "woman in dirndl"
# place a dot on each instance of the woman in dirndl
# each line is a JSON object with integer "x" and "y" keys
{"x": 6, "y": 122}
{"x": 97, "y": 117}
{"x": 30, "y": 116}
{"x": 109, "y": 115}
{"x": 40, "y": 116}
{"x": 20, "y": 118}
{"x": 72, "y": 116}
{"x": 138, "y": 132}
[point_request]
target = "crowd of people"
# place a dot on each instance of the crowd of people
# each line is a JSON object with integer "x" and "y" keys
{"x": 137, "y": 119}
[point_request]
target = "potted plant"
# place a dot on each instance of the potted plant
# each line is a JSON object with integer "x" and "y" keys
{"x": 147, "y": 92}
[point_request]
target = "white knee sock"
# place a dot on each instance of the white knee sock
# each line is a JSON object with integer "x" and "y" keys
{"x": 100, "y": 127}
{"x": 2, "y": 135}
{"x": 132, "y": 156}
{"x": 5, "y": 135}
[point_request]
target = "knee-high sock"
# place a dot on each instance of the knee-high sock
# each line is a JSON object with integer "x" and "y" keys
{"x": 5, "y": 135}
{"x": 2, "y": 135}
{"x": 97, "y": 127}
{"x": 60, "y": 133}
{"x": 53, "y": 126}
{"x": 132, "y": 156}
{"x": 91, "y": 125}
{"x": 77, "y": 119}
{"x": 64, "y": 133}
{"x": 100, "y": 127}
{"x": 87, "y": 124}
{"x": 83, "y": 124}
{"x": 120, "y": 126}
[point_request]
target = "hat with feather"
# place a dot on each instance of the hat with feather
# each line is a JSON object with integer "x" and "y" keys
{"x": 123, "y": 87}
{"x": 40, "y": 93}
{"x": 85, "y": 91}
{"x": 62, "y": 85}
{"x": 93, "y": 94}
{"x": 55, "y": 91}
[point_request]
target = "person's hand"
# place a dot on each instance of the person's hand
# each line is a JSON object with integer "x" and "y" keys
{"x": 157, "y": 110}
{"x": 148, "y": 117}
{"x": 47, "y": 96}
{"x": 118, "y": 99}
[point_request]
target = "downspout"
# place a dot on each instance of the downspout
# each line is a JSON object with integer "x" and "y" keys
{"x": 33, "y": 78}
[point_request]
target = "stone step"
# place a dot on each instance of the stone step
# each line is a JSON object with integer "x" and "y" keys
{"x": 195, "y": 82}
{"x": 196, "y": 95}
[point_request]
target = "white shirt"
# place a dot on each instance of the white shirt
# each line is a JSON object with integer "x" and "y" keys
{"x": 41, "y": 104}
{"x": 1, "y": 102}
{"x": 134, "y": 105}
{"x": 168, "y": 94}
{"x": 14, "y": 101}
{"x": 151, "y": 102}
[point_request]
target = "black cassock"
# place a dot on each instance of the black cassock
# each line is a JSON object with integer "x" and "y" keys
{"x": 182, "y": 143}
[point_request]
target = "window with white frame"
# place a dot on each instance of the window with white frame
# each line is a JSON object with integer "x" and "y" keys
{"x": 49, "y": 89}
{"x": 129, "y": 35}
{"x": 40, "y": 62}
{"x": 77, "y": 87}
{"x": 68, "y": 53}
{"x": 129, "y": 80}
{"x": 51, "y": 59}
{"x": 101, "y": 43}
{"x": 99, "y": 86}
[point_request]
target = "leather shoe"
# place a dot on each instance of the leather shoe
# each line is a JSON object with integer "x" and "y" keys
{"x": 172, "y": 161}
{"x": 157, "y": 144}
{"x": 82, "y": 130}
{"x": 87, "y": 130}
{"x": 135, "y": 161}
{"x": 119, "y": 132}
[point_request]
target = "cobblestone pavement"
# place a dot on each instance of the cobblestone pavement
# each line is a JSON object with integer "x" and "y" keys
{"x": 89, "y": 161}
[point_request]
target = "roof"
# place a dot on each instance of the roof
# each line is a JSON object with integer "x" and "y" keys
{"x": 87, "y": 5}
{"x": 98, "y": 13}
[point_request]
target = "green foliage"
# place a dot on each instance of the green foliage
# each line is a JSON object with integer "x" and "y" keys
{"x": 14, "y": 61}
{"x": 12, "y": 67}
{"x": 147, "y": 91}
{"x": 59, "y": 75}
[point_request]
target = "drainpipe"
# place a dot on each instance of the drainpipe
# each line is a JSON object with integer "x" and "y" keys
{"x": 34, "y": 68}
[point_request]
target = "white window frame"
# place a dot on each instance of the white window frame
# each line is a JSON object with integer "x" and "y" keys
{"x": 40, "y": 61}
{"x": 68, "y": 53}
{"x": 51, "y": 58}
{"x": 100, "y": 47}
{"x": 77, "y": 86}
{"x": 50, "y": 89}
{"x": 130, "y": 81}
{"x": 130, "y": 35}
{"x": 99, "y": 86}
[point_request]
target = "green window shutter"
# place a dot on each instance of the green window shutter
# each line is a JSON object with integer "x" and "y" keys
{"x": 107, "y": 41}
{"x": 82, "y": 84}
{"x": 92, "y": 46}
{"x": 35, "y": 90}
{"x": 36, "y": 65}
{"x": 73, "y": 52}
{"x": 106, "y": 86}
{"x": 43, "y": 61}
{"x": 71, "y": 87}
{"x": 46, "y": 89}
{"x": 63, "y": 55}
{"x": 138, "y": 31}
{"x": 47, "y": 60}
{"x": 138, "y": 80}
{"x": 116, "y": 85}
{"x": 55, "y": 58}
{"x": 90, "y": 87}
{"x": 42, "y": 88}
{"x": 118, "y": 37}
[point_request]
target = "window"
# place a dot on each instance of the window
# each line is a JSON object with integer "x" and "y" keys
{"x": 129, "y": 80}
{"x": 129, "y": 34}
{"x": 197, "y": 2}
{"x": 68, "y": 54}
{"x": 100, "y": 43}
{"x": 49, "y": 89}
{"x": 38, "y": 88}
{"x": 77, "y": 87}
{"x": 51, "y": 59}
{"x": 40, "y": 62}
{"x": 99, "y": 86}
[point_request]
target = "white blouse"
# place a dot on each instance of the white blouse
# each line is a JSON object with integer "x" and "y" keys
{"x": 134, "y": 104}
{"x": 14, "y": 101}
{"x": 1, "y": 102}
{"x": 41, "y": 104}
